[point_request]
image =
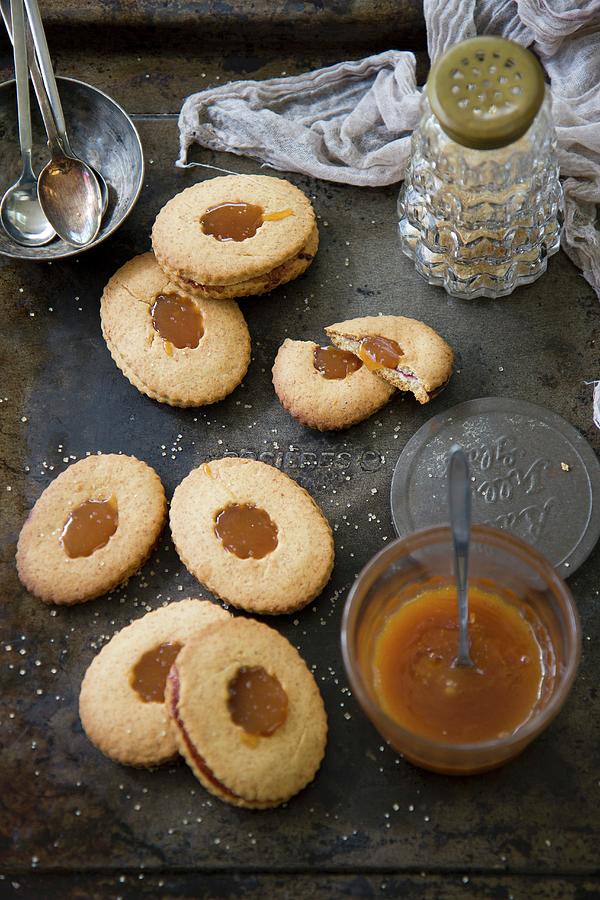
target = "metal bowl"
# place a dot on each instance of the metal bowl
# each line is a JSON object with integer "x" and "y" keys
{"x": 100, "y": 132}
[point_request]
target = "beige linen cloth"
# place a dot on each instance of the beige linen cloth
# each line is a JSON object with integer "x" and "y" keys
{"x": 351, "y": 122}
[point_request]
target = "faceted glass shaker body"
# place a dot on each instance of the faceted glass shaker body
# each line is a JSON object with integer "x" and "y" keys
{"x": 481, "y": 222}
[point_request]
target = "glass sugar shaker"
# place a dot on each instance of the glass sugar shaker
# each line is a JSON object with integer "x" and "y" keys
{"x": 480, "y": 208}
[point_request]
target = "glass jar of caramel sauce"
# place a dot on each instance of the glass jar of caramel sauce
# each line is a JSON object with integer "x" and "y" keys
{"x": 400, "y": 641}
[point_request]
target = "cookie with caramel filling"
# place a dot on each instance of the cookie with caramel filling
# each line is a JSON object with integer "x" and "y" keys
{"x": 405, "y": 352}
{"x": 251, "y": 535}
{"x": 121, "y": 703}
{"x": 249, "y": 718}
{"x": 326, "y": 388}
{"x": 92, "y": 528}
{"x": 177, "y": 349}
{"x": 235, "y": 236}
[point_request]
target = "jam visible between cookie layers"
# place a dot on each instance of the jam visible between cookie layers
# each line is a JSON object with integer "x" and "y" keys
{"x": 270, "y": 276}
{"x": 334, "y": 363}
{"x": 256, "y": 701}
{"x": 238, "y": 221}
{"x": 246, "y": 531}
{"x": 177, "y": 320}
{"x": 89, "y": 527}
{"x": 379, "y": 352}
{"x": 149, "y": 675}
{"x": 199, "y": 762}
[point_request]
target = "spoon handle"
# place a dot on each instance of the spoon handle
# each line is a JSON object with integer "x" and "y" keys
{"x": 460, "y": 519}
{"x": 49, "y": 99}
{"x": 38, "y": 82}
{"x": 22, "y": 80}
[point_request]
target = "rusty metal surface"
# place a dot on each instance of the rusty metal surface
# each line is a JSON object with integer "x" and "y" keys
{"x": 370, "y": 824}
{"x": 336, "y": 20}
{"x": 257, "y": 886}
{"x": 149, "y": 72}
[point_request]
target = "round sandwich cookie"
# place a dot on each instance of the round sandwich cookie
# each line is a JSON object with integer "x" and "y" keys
{"x": 325, "y": 387}
{"x": 121, "y": 704}
{"x": 235, "y": 236}
{"x": 405, "y": 352}
{"x": 249, "y": 718}
{"x": 172, "y": 347}
{"x": 91, "y": 529}
{"x": 252, "y": 535}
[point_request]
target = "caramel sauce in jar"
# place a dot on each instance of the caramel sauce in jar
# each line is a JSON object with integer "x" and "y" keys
{"x": 256, "y": 701}
{"x": 89, "y": 527}
{"x": 246, "y": 531}
{"x": 149, "y": 675}
{"x": 379, "y": 352}
{"x": 419, "y": 686}
{"x": 177, "y": 320}
{"x": 333, "y": 363}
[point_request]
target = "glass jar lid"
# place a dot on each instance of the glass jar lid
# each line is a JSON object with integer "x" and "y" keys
{"x": 486, "y": 91}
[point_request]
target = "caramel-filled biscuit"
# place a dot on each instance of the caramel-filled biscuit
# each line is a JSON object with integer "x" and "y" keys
{"x": 326, "y": 388}
{"x": 235, "y": 236}
{"x": 252, "y": 535}
{"x": 249, "y": 717}
{"x": 170, "y": 346}
{"x": 121, "y": 704}
{"x": 405, "y": 352}
{"x": 92, "y": 528}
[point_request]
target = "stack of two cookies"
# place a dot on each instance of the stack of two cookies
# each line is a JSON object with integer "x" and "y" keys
{"x": 231, "y": 695}
{"x": 170, "y": 318}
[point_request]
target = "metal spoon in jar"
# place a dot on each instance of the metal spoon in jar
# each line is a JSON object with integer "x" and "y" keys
{"x": 68, "y": 189}
{"x": 20, "y": 211}
{"x": 459, "y": 495}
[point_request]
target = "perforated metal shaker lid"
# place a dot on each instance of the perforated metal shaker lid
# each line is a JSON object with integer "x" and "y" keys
{"x": 486, "y": 91}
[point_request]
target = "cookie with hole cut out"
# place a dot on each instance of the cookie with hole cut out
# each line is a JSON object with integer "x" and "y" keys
{"x": 252, "y": 535}
{"x": 326, "y": 388}
{"x": 92, "y": 528}
{"x": 235, "y": 236}
{"x": 405, "y": 352}
{"x": 249, "y": 717}
{"x": 121, "y": 703}
{"x": 170, "y": 346}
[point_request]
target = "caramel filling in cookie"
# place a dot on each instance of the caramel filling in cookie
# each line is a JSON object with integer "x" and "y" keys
{"x": 199, "y": 761}
{"x": 232, "y": 221}
{"x": 246, "y": 530}
{"x": 379, "y": 352}
{"x": 89, "y": 527}
{"x": 237, "y": 221}
{"x": 333, "y": 363}
{"x": 149, "y": 675}
{"x": 256, "y": 701}
{"x": 177, "y": 320}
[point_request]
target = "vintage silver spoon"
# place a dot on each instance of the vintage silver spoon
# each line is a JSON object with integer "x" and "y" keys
{"x": 50, "y": 106}
{"x": 68, "y": 189}
{"x": 20, "y": 212}
{"x": 459, "y": 496}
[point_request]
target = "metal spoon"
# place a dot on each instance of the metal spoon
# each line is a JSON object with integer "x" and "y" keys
{"x": 20, "y": 210}
{"x": 50, "y": 106}
{"x": 68, "y": 189}
{"x": 459, "y": 495}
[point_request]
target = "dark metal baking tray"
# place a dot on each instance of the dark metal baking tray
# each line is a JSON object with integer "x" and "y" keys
{"x": 74, "y": 824}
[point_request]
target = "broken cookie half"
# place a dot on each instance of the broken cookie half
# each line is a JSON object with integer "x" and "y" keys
{"x": 405, "y": 352}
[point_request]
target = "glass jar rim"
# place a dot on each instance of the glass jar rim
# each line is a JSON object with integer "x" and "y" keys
{"x": 488, "y": 535}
